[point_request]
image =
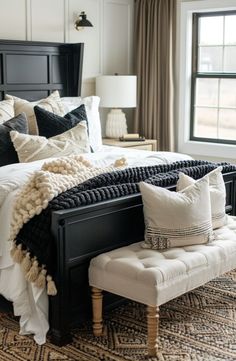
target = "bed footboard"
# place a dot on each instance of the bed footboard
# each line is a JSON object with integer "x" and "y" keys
{"x": 82, "y": 233}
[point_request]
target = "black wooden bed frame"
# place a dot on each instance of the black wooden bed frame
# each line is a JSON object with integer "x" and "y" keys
{"x": 80, "y": 233}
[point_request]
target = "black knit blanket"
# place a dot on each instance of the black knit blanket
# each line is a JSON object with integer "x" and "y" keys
{"x": 35, "y": 235}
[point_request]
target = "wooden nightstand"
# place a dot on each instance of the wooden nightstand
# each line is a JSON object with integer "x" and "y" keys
{"x": 147, "y": 144}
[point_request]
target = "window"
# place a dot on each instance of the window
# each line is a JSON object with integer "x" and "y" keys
{"x": 213, "y": 86}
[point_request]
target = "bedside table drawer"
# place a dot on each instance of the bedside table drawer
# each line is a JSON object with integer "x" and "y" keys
{"x": 143, "y": 147}
{"x": 147, "y": 144}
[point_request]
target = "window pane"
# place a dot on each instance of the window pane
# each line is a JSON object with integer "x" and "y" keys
{"x": 230, "y": 30}
{"x": 227, "y": 124}
{"x": 214, "y": 102}
{"x": 228, "y": 93}
{"x": 230, "y": 59}
{"x": 207, "y": 92}
{"x": 211, "y": 30}
{"x": 205, "y": 124}
{"x": 210, "y": 59}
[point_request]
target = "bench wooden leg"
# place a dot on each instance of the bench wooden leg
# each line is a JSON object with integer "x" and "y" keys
{"x": 97, "y": 311}
{"x": 153, "y": 329}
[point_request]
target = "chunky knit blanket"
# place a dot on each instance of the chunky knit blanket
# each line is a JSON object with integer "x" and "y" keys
{"x": 55, "y": 177}
{"x": 34, "y": 239}
{"x": 52, "y": 179}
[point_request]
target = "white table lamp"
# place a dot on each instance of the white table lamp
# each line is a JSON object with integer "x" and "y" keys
{"x": 116, "y": 91}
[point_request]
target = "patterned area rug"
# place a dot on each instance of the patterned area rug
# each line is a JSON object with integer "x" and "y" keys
{"x": 199, "y": 326}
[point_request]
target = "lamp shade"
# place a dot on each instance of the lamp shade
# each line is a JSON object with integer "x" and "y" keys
{"x": 117, "y": 91}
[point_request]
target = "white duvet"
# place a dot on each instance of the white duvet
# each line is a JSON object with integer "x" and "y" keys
{"x": 29, "y": 302}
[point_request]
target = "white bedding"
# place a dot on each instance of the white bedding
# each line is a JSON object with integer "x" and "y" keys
{"x": 30, "y": 302}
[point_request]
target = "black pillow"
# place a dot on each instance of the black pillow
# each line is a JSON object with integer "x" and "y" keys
{"x": 8, "y": 154}
{"x": 50, "y": 124}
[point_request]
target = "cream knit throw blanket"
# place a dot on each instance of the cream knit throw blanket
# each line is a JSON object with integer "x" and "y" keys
{"x": 55, "y": 177}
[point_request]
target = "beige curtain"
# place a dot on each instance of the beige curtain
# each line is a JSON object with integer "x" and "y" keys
{"x": 155, "y": 23}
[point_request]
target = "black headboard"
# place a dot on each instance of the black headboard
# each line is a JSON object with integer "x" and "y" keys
{"x": 32, "y": 70}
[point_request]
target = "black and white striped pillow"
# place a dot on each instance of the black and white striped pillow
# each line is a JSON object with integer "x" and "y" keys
{"x": 176, "y": 219}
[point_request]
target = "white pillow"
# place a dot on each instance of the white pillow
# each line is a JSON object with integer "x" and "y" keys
{"x": 174, "y": 219}
{"x": 217, "y": 194}
{"x": 6, "y": 110}
{"x": 52, "y": 103}
{"x": 92, "y": 109}
{"x": 34, "y": 147}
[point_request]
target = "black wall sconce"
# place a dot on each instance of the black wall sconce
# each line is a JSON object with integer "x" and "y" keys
{"x": 82, "y": 21}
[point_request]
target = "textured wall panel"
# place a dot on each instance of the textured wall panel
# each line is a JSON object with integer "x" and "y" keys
{"x": 13, "y": 19}
{"x": 47, "y": 20}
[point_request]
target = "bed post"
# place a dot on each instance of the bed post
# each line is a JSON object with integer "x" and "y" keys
{"x": 59, "y": 305}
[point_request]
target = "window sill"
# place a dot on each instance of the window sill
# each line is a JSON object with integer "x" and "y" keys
{"x": 216, "y": 150}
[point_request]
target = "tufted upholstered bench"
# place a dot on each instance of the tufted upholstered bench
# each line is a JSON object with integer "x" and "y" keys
{"x": 154, "y": 277}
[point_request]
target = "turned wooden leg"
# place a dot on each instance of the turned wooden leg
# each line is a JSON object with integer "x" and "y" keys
{"x": 153, "y": 329}
{"x": 97, "y": 311}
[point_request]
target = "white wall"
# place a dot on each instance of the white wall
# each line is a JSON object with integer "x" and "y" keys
{"x": 108, "y": 44}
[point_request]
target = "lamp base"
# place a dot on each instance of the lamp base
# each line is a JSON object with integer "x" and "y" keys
{"x": 116, "y": 125}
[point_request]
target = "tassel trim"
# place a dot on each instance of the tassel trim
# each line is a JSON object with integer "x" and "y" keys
{"x": 40, "y": 282}
{"x": 26, "y": 263}
{"x": 51, "y": 287}
{"x": 32, "y": 271}
{"x": 17, "y": 253}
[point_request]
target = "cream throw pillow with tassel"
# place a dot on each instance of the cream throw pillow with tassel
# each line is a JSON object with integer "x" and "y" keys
{"x": 52, "y": 103}
{"x": 176, "y": 219}
{"x": 33, "y": 147}
{"x": 217, "y": 194}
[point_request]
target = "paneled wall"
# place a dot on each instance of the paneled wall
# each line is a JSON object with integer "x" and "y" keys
{"x": 108, "y": 45}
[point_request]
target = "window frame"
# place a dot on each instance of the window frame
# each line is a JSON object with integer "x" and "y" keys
{"x": 203, "y": 75}
{"x": 198, "y": 149}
